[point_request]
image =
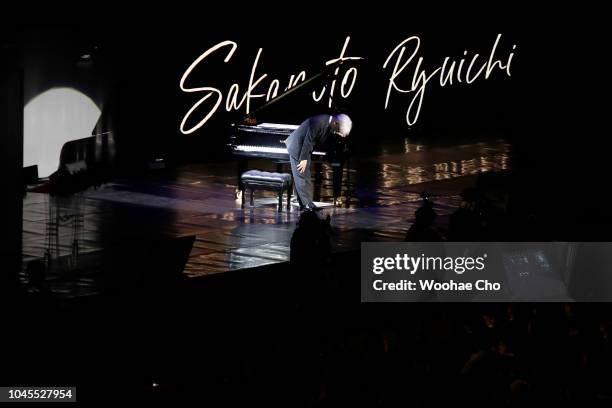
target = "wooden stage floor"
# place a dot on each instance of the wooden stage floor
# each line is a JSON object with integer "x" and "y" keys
{"x": 380, "y": 194}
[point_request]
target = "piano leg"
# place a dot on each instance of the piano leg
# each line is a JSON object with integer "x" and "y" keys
{"x": 289, "y": 190}
{"x": 337, "y": 180}
{"x": 280, "y": 201}
{"x": 241, "y": 167}
{"x": 318, "y": 181}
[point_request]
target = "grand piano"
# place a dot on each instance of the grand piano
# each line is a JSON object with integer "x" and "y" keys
{"x": 250, "y": 140}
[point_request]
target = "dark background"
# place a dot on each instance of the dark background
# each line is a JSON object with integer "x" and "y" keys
{"x": 552, "y": 111}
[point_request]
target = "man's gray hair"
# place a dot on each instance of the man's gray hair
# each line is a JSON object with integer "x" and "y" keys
{"x": 345, "y": 124}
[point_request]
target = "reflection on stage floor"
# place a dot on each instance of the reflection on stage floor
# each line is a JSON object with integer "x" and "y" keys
{"x": 380, "y": 192}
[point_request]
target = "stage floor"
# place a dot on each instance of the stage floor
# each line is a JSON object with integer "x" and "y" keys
{"x": 380, "y": 194}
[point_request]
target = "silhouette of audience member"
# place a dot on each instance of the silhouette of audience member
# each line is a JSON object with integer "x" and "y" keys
{"x": 311, "y": 240}
{"x": 311, "y": 247}
{"x": 423, "y": 230}
{"x": 465, "y": 223}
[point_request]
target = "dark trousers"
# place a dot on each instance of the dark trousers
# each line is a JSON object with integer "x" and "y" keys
{"x": 302, "y": 183}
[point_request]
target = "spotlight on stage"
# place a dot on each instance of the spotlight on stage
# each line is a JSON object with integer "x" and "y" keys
{"x": 51, "y": 119}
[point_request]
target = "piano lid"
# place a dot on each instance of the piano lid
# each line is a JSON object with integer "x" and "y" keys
{"x": 323, "y": 75}
{"x": 277, "y": 126}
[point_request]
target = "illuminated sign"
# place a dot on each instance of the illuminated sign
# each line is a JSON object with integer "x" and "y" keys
{"x": 400, "y": 62}
{"x": 449, "y": 69}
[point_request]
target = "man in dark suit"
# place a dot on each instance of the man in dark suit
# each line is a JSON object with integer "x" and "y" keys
{"x": 300, "y": 143}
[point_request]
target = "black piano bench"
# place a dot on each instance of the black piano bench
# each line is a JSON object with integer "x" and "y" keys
{"x": 263, "y": 180}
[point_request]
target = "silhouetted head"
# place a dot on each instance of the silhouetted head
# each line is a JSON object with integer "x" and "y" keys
{"x": 311, "y": 240}
{"x": 341, "y": 125}
{"x": 309, "y": 220}
{"x": 425, "y": 215}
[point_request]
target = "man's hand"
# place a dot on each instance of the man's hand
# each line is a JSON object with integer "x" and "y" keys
{"x": 302, "y": 166}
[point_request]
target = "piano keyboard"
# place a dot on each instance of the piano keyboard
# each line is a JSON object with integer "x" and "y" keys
{"x": 267, "y": 149}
